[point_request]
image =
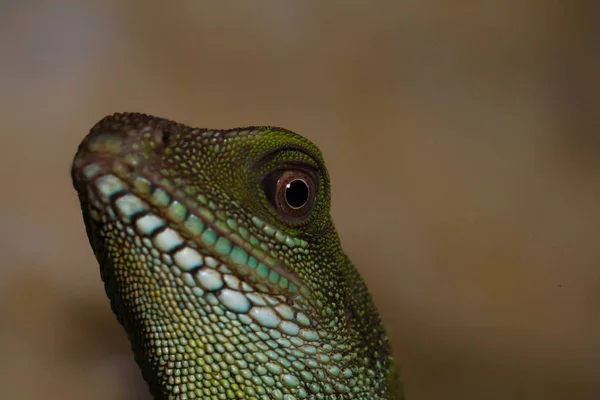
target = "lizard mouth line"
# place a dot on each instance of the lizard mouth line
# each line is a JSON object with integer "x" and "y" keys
{"x": 201, "y": 246}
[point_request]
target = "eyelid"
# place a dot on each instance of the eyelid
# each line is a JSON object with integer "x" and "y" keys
{"x": 286, "y": 157}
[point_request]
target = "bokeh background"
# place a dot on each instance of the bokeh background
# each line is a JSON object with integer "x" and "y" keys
{"x": 462, "y": 139}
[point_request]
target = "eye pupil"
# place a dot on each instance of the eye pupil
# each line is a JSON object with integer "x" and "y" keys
{"x": 296, "y": 193}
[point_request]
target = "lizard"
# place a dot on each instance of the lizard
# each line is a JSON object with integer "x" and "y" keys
{"x": 221, "y": 261}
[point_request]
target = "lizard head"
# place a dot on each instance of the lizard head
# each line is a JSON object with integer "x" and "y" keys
{"x": 222, "y": 262}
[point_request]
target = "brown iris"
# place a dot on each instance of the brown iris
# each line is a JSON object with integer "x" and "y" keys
{"x": 291, "y": 192}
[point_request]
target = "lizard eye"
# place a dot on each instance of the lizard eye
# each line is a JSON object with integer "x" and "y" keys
{"x": 291, "y": 192}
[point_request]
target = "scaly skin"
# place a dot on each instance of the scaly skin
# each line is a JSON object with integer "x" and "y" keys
{"x": 229, "y": 285}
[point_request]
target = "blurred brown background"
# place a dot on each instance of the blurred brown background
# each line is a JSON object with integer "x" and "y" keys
{"x": 462, "y": 139}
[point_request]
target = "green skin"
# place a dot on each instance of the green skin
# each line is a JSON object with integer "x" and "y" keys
{"x": 275, "y": 310}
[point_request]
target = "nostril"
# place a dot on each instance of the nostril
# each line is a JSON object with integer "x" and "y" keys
{"x": 164, "y": 134}
{"x": 165, "y": 137}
